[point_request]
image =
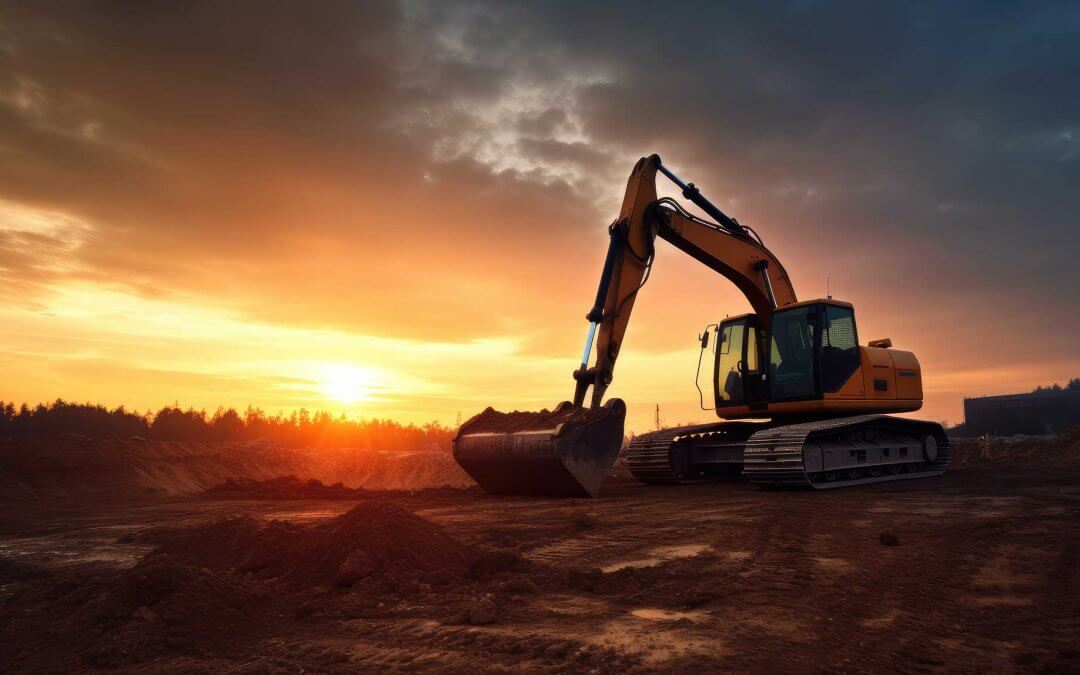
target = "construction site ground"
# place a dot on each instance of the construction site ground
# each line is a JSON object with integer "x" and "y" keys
{"x": 978, "y": 570}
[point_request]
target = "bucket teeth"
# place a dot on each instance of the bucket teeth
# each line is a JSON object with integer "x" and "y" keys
{"x": 565, "y": 453}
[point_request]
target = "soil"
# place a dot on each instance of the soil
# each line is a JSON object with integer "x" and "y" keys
{"x": 493, "y": 421}
{"x": 977, "y": 570}
{"x": 73, "y": 467}
{"x": 370, "y": 540}
{"x": 1019, "y": 450}
{"x": 282, "y": 487}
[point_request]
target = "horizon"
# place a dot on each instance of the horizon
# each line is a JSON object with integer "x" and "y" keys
{"x": 399, "y": 210}
{"x": 149, "y": 413}
{"x": 1071, "y": 384}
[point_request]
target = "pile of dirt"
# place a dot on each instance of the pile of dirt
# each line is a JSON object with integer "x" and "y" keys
{"x": 158, "y": 609}
{"x": 160, "y": 606}
{"x": 369, "y": 541}
{"x": 1020, "y": 451}
{"x": 283, "y": 487}
{"x": 390, "y": 470}
{"x": 74, "y": 467}
{"x": 493, "y": 421}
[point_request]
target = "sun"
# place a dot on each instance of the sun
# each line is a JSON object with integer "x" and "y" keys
{"x": 347, "y": 383}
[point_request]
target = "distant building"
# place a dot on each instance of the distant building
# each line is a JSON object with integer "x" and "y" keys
{"x": 1042, "y": 412}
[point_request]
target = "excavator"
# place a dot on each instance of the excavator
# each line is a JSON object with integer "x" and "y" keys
{"x": 802, "y": 404}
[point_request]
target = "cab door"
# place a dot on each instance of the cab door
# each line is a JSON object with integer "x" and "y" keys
{"x": 757, "y": 389}
{"x": 738, "y": 375}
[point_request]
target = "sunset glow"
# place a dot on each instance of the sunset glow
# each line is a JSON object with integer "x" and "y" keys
{"x": 415, "y": 229}
{"x": 346, "y": 383}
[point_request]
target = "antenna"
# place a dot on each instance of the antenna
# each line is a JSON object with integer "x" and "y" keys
{"x": 828, "y": 293}
{"x": 658, "y": 417}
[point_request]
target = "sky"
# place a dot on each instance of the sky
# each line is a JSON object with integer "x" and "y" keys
{"x": 399, "y": 209}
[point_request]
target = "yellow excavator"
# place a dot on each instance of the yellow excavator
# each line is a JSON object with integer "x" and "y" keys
{"x": 803, "y": 404}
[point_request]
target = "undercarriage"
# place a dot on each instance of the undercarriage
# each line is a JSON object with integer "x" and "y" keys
{"x": 820, "y": 454}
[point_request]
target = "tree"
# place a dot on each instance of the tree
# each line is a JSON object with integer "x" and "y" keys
{"x": 172, "y": 423}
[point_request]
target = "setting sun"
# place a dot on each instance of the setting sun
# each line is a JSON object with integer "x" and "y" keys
{"x": 347, "y": 383}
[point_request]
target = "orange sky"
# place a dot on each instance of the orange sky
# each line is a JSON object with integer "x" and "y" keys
{"x": 399, "y": 209}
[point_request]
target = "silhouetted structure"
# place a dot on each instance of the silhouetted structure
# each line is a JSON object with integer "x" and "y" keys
{"x": 300, "y": 429}
{"x": 1047, "y": 410}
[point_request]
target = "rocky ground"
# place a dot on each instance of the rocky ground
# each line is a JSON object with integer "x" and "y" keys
{"x": 973, "y": 571}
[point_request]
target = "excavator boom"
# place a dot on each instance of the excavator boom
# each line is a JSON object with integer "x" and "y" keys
{"x": 726, "y": 247}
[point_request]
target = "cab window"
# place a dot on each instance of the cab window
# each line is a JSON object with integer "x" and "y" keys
{"x": 752, "y": 350}
{"x": 839, "y": 348}
{"x": 729, "y": 379}
{"x": 791, "y": 354}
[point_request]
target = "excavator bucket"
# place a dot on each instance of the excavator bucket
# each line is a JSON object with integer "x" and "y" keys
{"x": 567, "y": 452}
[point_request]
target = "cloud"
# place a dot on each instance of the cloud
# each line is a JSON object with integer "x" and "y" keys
{"x": 37, "y": 247}
{"x": 444, "y": 171}
{"x": 494, "y": 92}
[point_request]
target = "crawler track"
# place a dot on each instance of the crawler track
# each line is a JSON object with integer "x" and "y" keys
{"x": 777, "y": 457}
{"x": 822, "y": 454}
{"x": 649, "y": 456}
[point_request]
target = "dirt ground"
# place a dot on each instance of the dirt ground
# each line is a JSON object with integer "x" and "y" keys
{"x": 973, "y": 571}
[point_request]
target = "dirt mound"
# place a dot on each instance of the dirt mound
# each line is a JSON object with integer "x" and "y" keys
{"x": 283, "y": 487}
{"x": 160, "y": 605}
{"x": 492, "y": 420}
{"x": 158, "y": 609}
{"x": 1023, "y": 451}
{"x": 371, "y": 540}
{"x": 74, "y": 467}
{"x": 390, "y": 470}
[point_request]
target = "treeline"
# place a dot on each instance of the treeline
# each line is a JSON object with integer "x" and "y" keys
{"x": 1073, "y": 385}
{"x": 300, "y": 429}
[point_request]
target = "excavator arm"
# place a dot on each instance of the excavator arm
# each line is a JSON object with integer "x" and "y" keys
{"x": 728, "y": 248}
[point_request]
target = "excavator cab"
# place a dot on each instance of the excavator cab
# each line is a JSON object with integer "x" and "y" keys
{"x": 807, "y": 360}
